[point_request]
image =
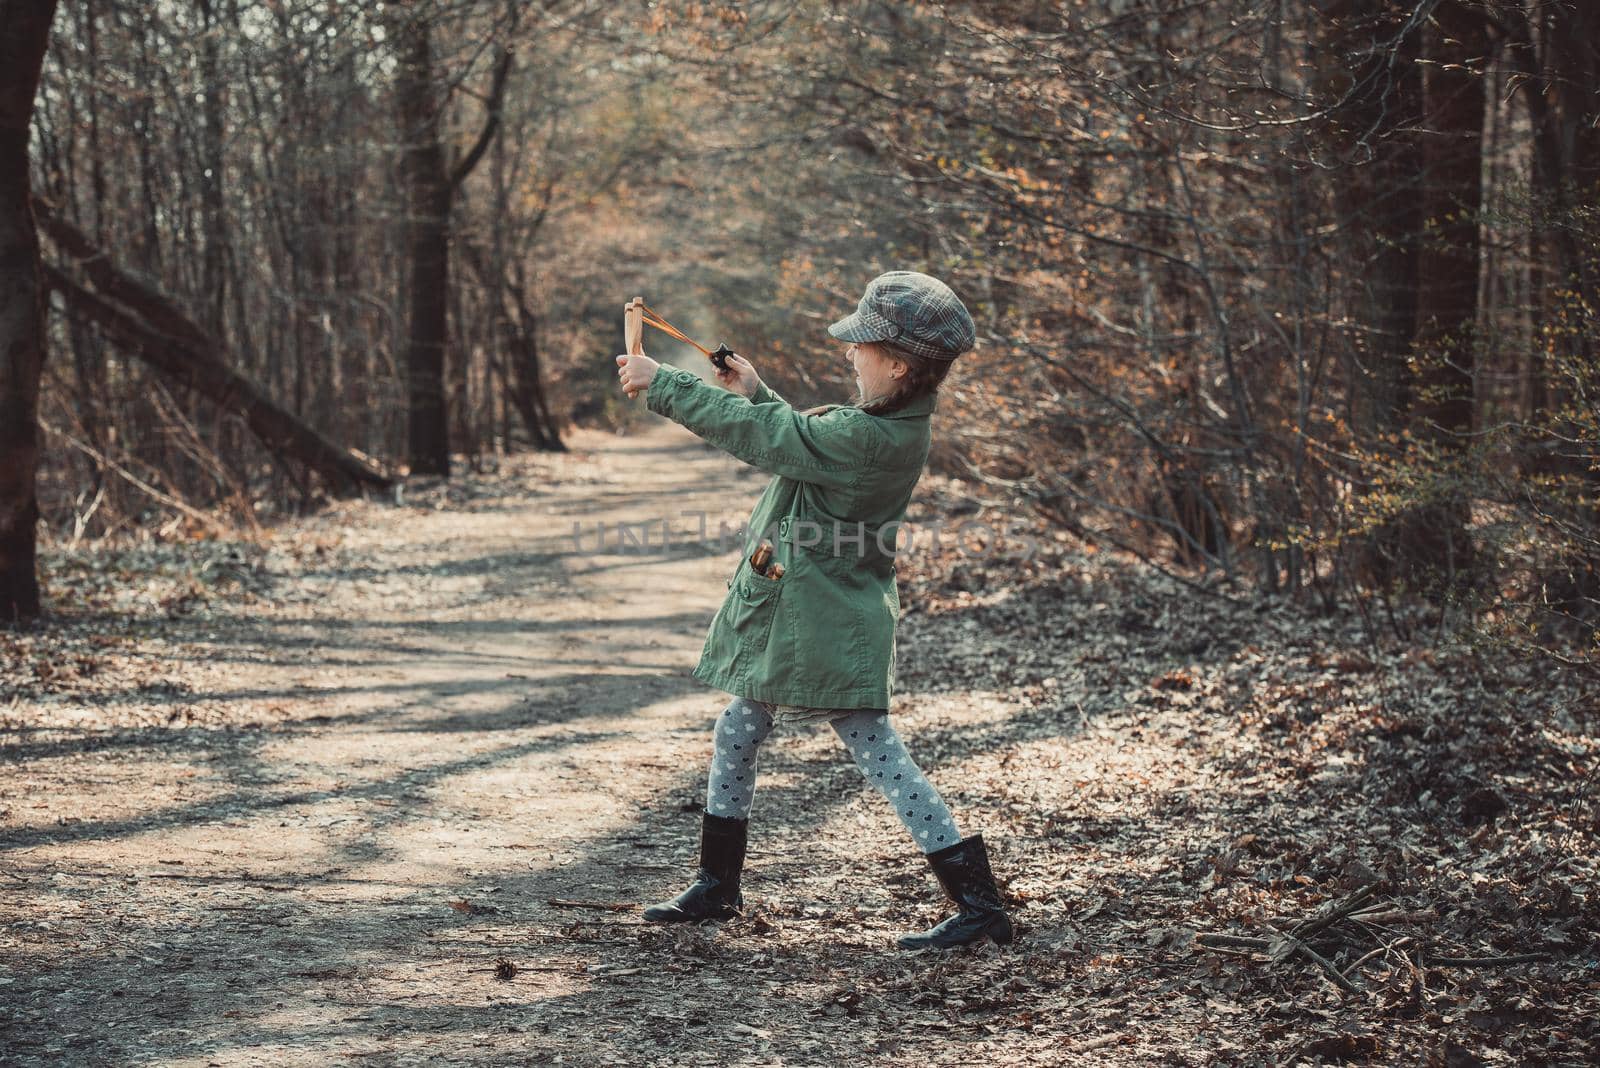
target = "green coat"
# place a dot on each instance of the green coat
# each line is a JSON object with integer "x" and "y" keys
{"x": 822, "y": 636}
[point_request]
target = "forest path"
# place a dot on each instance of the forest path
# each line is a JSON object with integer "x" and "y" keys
{"x": 294, "y": 806}
{"x": 462, "y": 715}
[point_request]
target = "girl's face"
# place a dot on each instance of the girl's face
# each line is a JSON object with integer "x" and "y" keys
{"x": 877, "y": 373}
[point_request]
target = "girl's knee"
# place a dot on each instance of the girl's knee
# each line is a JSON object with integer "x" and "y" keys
{"x": 746, "y": 719}
{"x": 869, "y": 736}
{"x": 854, "y": 728}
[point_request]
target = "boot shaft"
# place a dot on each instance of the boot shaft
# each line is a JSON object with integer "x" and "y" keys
{"x": 714, "y": 894}
{"x": 722, "y": 847}
{"x": 963, "y": 871}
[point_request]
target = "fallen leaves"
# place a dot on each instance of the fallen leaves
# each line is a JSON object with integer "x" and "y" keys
{"x": 1145, "y": 765}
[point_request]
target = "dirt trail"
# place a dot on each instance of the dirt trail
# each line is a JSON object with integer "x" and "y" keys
{"x": 296, "y": 808}
{"x": 469, "y": 713}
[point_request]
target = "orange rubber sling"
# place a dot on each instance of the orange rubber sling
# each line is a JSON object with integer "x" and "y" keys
{"x": 636, "y": 315}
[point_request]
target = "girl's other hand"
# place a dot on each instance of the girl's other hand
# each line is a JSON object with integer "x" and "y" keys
{"x": 636, "y": 373}
{"x": 740, "y": 377}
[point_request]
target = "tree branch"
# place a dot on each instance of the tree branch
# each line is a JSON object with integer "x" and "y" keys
{"x": 491, "y": 122}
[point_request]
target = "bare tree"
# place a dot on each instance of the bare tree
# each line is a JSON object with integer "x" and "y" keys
{"x": 22, "y": 48}
{"x": 431, "y": 183}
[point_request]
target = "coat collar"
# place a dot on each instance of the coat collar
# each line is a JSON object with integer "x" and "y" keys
{"x": 923, "y": 405}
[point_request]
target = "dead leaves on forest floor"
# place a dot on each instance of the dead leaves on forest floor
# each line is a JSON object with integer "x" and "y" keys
{"x": 1179, "y": 764}
{"x": 1171, "y": 786}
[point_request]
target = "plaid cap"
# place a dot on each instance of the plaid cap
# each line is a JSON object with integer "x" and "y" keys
{"x": 912, "y": 311}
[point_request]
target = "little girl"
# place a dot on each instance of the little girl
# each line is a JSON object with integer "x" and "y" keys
{"x": 807, "y": 631}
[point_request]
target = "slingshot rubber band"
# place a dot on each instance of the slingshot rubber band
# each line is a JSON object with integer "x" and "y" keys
{"x": 650, "y": 317}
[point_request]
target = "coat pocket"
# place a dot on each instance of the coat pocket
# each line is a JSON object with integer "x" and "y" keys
{"x": 752, "y": 603}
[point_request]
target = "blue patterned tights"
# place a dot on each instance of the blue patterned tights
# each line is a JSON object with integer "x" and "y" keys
{"x": 878, "y": 752}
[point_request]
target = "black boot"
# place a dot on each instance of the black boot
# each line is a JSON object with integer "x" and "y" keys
{"x": 963, "y": 871}
{"x": 714, "y": 894}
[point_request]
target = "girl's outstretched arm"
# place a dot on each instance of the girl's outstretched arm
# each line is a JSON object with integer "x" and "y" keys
{"x": 834, "y": 449}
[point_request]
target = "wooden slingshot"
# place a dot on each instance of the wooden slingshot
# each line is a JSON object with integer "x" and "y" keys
{"x": 636, "y": 315}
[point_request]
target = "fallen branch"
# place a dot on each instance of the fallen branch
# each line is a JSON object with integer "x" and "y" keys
{"x": 1332, "y": 914}
{"x": 1396, "y": 916}
{"x": 1290, "y": 946}
{"x": 1234, "y": 941}
{"x": 1355, "y": 969}
{"x": 609, "y": 906}
{"x": 149, "y": 324}
{"x": 1484, "y": 962}
{"x": 128, "y": 476}
{"x": 1292, "y": 943}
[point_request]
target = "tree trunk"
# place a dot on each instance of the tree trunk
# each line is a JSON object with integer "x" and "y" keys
{"x": 1441, "y": 398}
{"x": 1567, "y": 153}
{"x": 22, "y": 47}
{"x": 1435, "y": 548}
{"x": 517, "y": 362}
{"x": 1377, "y": 195}
{"x": 431, "y": 185}
{"x": 1559, "y": 52}
{"x": 427, "y": 252}
{"x": 213, "y": 212}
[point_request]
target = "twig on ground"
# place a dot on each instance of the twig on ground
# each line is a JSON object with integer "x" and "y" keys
{"x": 1214, "y": 940}
{"x": 1355, "y": 969}
{"x": 1484, "y": 962}
{"x": 1333, "y": 913}
{"x": 610, "y": 906}
{"x": 1395, "y": 916}
{"x": 1292, "y": 943}
{"x": 1295, "y": 946}
{"x": 1231, "y": 952}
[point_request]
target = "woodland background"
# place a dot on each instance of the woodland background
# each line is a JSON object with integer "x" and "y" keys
{"x": 1300, "y": 297}
{"x": 1288, "y": 353}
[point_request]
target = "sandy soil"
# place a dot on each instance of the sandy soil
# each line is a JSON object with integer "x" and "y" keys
{"x": 390, "y": 791}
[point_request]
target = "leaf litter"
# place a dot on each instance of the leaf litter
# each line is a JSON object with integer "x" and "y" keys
{"x": 1228, "y": 833}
